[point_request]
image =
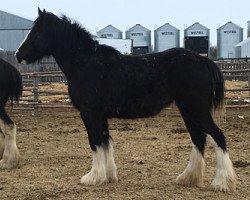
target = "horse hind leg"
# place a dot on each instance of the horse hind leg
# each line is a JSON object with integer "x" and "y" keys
{"x": 225, "y": 178}
{"x": 10, "y": 156}
{"x": 193, "y": 174}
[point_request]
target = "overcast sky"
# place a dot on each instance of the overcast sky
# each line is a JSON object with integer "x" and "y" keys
{"x": 123, "y": 14}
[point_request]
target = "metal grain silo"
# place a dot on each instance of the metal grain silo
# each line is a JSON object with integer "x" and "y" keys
{"x": 242, "y": 50}
{"x": 248, "y": 29}
{"x": 141, "y": 38}
{"x": 196, "y": 38}
{"x": 13, "y": 30}
{"x": 166, "y": 37}
{"x": 228, "y": 36}
{"x": 110, "y": 32}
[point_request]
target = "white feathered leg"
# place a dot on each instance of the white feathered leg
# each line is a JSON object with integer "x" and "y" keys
{"x": 10, "y": 158}
{"x": 193, "y": 174}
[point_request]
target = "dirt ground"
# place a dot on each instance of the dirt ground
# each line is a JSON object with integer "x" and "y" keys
{"x": 149, "y": 154}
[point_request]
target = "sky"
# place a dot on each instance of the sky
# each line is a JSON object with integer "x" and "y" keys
{"x": 123, "y": 14}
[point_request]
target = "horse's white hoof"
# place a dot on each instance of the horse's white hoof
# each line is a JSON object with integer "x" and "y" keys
{"x": 189, "y": 180}
{"x": 94, "y": 178}
{"x": 10, "y": 160}
{"x": 224, "y": 185}
{"x": 8, "y": 164}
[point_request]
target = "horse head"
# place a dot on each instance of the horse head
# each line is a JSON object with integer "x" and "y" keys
{"x": 36, "y": 45}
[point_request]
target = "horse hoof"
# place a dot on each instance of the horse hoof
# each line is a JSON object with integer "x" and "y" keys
{"x": 186, "y": 179}
{"x": 94, "y": 178}
{"x": 223, "y": 186}
{"x": 8, "y": 165}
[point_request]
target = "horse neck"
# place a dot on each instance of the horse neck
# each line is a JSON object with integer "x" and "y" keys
{"x": 67, "y": 51}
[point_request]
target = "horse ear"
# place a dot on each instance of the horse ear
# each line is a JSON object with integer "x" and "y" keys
{"x": 39, "y": 12}
{"x": 44, "y": 10}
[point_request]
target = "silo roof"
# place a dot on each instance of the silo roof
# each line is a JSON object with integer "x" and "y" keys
{"x": 109, "y": 28}
{"x": 167, "y": 26}
{"x": 196, "y": 26}
{"x": 229, "y": 25}
{"x": 243, "y": 42}
{"x": 138, "y": 27}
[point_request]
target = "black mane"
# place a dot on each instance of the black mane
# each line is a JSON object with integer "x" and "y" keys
{"x": 75, "y": 38}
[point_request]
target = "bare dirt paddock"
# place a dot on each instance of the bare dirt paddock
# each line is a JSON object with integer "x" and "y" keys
{"x": 149, "y": 154}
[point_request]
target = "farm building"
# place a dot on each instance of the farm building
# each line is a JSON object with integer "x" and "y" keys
{"x": 110, "y": 32}
{"x": 228, "y": 36}
{"x": 196, "y": 38}
{"x": 242, "y": 50}
{"x": 166, "y": 37}
{"x": 141, "y": 37}
{"x": 13, "y": 30}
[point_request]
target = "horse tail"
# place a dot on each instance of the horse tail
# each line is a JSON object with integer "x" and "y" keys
{"x": 217, "y": 82}
{"x": 11, "y": 86}
{"x": 16, "y": 86}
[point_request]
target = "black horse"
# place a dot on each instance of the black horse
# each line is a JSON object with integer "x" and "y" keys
{"x": 103, "y": 84}
{"x": 10, "y": 89}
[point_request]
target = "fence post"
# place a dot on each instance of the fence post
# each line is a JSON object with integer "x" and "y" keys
{"x": 36, "y": 95}
{"x": 249, "y": 82}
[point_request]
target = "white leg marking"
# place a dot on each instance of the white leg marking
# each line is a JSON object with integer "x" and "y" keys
{"x": 193, "y": 174}
{"x": 97, "y": 174}
{"x": 10, "y": 156}
{"x": 111, "y": 169}
{"x": 2, "y": 145}
{"x": 225, "y": 178}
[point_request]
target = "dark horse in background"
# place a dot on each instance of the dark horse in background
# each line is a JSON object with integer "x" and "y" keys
{"x": 10, "y": 89}
{"x": 104, "y": 84}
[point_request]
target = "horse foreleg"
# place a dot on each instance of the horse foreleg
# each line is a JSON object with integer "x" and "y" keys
{"x": 10, "y": 156}
{"x": 103, "y": 166}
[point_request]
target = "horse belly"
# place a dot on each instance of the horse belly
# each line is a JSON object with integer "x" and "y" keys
{"x": 140, "y": 108}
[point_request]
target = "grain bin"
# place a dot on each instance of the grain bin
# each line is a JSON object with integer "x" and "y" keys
{"x": 248, "y": 28}
{"x": 141, "y": 37}
{"x": 228, "y": 36}
{"x": 166, "y": 37}
{"x": 242, "y": 50}
{"x": 196, "y": 38}
{"x": 110, "y": 32}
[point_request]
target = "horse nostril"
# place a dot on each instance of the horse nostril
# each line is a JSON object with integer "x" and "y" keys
{"x": 19, "y": 59}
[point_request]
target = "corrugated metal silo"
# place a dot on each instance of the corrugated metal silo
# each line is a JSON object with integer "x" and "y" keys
{"x": 166, "y": 37}
{"x": 141, "y": 37}
{"x": 13, "y": 30}
{"x": 110, "y": 32}
{"x": 228, "y": 36}
{"x": 248, "y": 28}
{"x": 242, "y": 50}
{"x": 196, "y": 38}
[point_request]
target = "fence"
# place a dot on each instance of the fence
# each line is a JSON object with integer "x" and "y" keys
{"x": 47, "y": 71}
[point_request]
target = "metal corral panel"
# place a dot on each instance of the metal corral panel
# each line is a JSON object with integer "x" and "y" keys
{"x": 242, "y": 49}
{"x": 13, "y": 30}
{"x": 228, "y": 36}
{"x": 196, "y": 38}
{"x": 110, "y": 32}
{"x": 141, "y": 37}
{"x": 166, "y": 37}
